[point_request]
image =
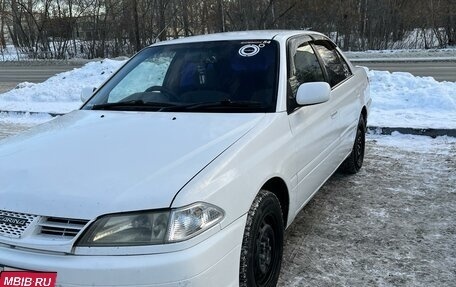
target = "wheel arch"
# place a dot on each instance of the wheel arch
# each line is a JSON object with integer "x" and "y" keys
{"x": 278, "y": 186}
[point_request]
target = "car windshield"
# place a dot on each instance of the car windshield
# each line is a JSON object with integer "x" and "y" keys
{"x": 219, "y": 76}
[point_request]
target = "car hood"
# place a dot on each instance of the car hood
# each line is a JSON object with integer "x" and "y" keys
{"x": 90, "y": 163}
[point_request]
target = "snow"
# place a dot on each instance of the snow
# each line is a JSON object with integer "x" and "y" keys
{"x": 391, "y": 224}
{"x": 24, "y": 118}
{"x": 402, "y": 100}
{"x": 10, "y": 54}
{"x": 399, "y": 99}
{"x": 415, "y": 143}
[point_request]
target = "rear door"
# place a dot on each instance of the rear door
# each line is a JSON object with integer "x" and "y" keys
{"x": 344, "y": 93}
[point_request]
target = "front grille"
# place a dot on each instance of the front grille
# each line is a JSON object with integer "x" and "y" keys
{"x": 61, "y": 227}
{"x": 15, "y": 230}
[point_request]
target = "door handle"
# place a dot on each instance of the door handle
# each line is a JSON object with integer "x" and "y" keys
{"x": 333, "y": 115}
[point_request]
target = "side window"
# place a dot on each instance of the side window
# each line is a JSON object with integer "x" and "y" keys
{"x": 304, "y": 68}
{"x": 307, "y": 67}
{"x": 335, "y": 65}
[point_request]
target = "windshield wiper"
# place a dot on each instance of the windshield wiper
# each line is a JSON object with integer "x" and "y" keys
{"x": 216, "y": 104}
{"x": 135, "y": 104}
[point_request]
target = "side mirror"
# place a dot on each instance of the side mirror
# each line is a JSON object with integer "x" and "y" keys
{"x": 86, "y": 93}
{"x": 313, "y": 93}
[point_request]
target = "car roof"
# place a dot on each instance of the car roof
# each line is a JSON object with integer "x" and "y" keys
{"x": 279, "y": 35}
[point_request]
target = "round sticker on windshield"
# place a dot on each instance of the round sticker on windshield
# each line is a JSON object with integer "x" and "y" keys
{"x": 249, "y": 50}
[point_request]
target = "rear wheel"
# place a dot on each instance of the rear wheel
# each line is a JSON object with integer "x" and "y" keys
{"x": 354, "y": 161}
{"x": 261, "y": 254}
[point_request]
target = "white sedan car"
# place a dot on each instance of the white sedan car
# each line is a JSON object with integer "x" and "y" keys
{"x": 185, "y": 167}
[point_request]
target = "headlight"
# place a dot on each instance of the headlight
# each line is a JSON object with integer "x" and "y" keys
{"x": 127, "y": 229}
{"x": 151, "y": 227}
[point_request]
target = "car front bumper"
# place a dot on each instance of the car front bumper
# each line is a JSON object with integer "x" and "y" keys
{"x": 213, "y": 262}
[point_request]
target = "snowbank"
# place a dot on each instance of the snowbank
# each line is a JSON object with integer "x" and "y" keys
{"x": 60, "y": 93}
{"x": 403, "y": 100}
{"x": 24, "y": 118}
{"x": 399, "y": 99}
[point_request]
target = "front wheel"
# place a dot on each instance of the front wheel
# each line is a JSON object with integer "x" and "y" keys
{"x": 262, "y": 246}
{"x": 354, "y": 161}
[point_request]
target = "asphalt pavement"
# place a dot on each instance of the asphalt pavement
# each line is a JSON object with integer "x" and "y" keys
{"x": 34, "y": 72}
{"x": 441, "y": 71}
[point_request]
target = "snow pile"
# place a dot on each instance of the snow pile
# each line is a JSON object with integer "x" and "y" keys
{"x": 399, "y": 99}
{"x": 60, "y": 93}
{"x": 403, "y": 100}
{"x": 24, "y": 118}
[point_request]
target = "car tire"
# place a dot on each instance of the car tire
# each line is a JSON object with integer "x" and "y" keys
{"x": 354, "y": 161}
{"x": 262, "y": 245}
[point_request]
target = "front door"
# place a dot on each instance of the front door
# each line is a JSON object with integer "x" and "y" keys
{"x": 314, "y": 127}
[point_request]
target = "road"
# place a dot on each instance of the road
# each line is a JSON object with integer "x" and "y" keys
{"x": 441, "y": 71}
{"x": 13, "y": 73}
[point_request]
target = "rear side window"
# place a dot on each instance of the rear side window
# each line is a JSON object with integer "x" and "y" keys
{"x": 336, "y": 66}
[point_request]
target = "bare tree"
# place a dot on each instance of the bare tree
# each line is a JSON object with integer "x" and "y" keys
{"x": 105, "y": 28}
{"x": 2, "y": 23}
